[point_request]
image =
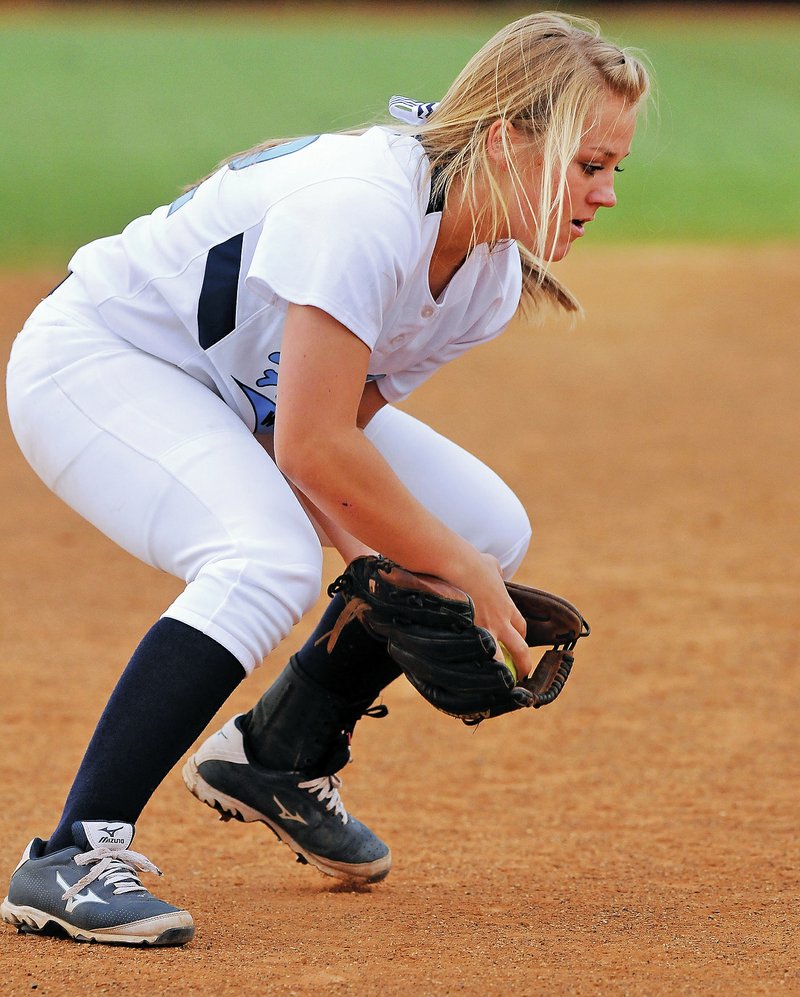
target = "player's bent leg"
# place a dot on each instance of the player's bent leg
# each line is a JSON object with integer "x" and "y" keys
{"x": 127, "y": 441}
{"x": 90, "y": 891}
{"x": 475, "y": 502}
{"x": 454, "y": 485}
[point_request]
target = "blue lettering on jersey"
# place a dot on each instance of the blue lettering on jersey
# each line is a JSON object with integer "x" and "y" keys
{"x": 263, "y": 407}
{"x": 275, "y": 152}
{"x": 180, "y": 201}
{"x": 216, "y": 306}
{"x": 270, "y": 378}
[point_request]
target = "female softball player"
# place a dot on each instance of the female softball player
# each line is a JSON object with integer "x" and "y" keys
{"x": 213, "y": 389}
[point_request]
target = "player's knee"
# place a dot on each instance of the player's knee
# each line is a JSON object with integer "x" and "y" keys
{"x": 248, "y": 598}
{"x": 271, "y": 598}
{"x": 513, "y": 535}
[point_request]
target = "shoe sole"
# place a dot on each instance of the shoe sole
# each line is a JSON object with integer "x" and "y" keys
{"x": 231, "y": 809}
{"x": 29, "y": 920}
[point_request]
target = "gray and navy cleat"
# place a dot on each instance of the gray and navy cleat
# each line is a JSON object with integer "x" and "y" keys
{"x": 91, "y": 891}
{"x": 304, "y": 811}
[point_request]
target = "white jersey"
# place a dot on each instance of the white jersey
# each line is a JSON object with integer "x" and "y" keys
{"x": 338, "y": 222}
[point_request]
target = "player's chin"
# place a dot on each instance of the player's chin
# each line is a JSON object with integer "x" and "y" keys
{"x": 563, "y": 244}
{"x": 560, "y": 251}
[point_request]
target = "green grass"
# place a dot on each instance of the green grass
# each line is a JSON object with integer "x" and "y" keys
{"x": 108, "y": 114}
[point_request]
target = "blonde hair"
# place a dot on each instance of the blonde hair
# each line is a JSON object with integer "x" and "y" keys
{"x": 546, "y": 74}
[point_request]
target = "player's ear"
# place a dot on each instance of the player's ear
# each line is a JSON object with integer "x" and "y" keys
{"x": 500, "y": 141}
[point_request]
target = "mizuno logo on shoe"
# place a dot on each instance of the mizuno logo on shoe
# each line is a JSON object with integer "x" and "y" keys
{"x": 110, "y": 837}
{"x": 285, "y": 814}
{"x": 80, "y": 898}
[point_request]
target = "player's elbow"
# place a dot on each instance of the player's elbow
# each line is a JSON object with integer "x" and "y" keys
{"x": 301, "y": 459}
{"x": 317, "y": 460}
{"x": 290, "y": 459}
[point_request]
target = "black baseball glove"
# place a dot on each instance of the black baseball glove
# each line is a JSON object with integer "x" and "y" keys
{"x": 429, "y": 629}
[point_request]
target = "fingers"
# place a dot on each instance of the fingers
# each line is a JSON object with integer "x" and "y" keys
{"x": 518, "y": 649}
{"x": 496, "y": 612}
{"x": 518, "y": 621}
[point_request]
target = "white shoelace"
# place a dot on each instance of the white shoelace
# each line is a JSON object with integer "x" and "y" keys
{"x": 327, "y": 788}
{"x": 117, "y": 867}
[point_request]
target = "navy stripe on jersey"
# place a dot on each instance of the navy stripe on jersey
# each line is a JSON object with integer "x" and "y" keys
{"x": 216, "y": 308}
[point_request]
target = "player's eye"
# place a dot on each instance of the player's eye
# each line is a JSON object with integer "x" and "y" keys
{"x": 591, "y": 168}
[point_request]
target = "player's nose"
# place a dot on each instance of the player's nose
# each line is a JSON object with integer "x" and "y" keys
{"x": 603, "y": 194}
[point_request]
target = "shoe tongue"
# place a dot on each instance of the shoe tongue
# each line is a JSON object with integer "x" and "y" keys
{"x": 102, "y": 834}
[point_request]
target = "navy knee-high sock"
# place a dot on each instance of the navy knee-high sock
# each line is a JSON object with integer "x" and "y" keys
{"x": 175, "y": 682}
{"x": 357, "y": 669}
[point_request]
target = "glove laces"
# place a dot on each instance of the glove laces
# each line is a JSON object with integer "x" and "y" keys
{"x": 117, "y": 867}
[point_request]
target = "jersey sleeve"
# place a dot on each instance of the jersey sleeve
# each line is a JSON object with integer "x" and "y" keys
{"x": 342, "y": 245}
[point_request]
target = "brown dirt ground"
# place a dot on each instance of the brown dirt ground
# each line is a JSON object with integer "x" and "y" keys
{"x": 638, "y": 837}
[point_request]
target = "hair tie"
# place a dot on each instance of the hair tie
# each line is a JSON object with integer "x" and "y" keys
{"x": 410, "y": 111}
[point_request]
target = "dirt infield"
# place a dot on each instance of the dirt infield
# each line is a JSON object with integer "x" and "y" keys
{"x": 650, "y": 845}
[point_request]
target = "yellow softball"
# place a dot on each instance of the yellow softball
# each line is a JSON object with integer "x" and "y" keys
{"x": 508, "y": 661}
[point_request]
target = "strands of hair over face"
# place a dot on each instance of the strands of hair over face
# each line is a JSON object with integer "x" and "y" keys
{"x": 546, "y": 74}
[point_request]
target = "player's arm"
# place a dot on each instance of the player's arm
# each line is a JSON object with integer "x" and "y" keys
{"x": 320, "y": 447}
{"x": 348, "y": 546}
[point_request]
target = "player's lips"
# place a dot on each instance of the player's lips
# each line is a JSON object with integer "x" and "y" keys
{"x": 577, "y": 225}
